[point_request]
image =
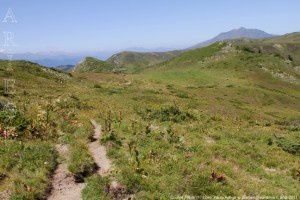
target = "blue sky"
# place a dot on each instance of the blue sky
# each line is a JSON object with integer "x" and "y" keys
{"x": 84, "y": 25}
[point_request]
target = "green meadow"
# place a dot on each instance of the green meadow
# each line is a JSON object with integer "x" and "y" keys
{"x": 222, "y": 109}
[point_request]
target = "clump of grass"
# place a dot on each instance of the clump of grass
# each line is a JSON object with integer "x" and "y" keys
{"x": 247, "y": 49}
{"x": 14, "y": 119}
{"x": 183, "y": 95}
{"x": 97, "y": 86}
{"x": 29, "y": 166}
{"x": 133, "y": 180}
{"x": 81, "y": 162}
{"x": 202, "y": 185}
{"x": 167, "y": 114}
{"x": 112, "y": 138}
{"x": 115, "y": 91}
{"x": 73, "y": 102}
{"x": 230, "y": 85}
{"x": 291, "y": 124}
{"x": 289, "y": 146}
{"x": 96, "y": 188}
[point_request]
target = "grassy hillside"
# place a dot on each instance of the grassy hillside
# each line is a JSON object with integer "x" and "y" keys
{"x": 292, "y": 38}
{"x": 129, "y": 62}
{"x": 90, "y": 64}
{"x": 217, "y": 109}
{"x": 222, "y": 120}
{"x": 286, "y": 47}
{"x": 135, "y": 61}
{"x": 40, "y": 112}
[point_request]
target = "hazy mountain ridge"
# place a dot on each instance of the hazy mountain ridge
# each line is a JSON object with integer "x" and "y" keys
{"x": 126, "y": 61}
{"x": 54, "y": 59}
{"x": 235, "y": 34}
{"x": 132, "y": 61}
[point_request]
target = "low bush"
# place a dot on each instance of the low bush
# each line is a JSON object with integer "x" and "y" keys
{"x": 13, "y": 123}
{"x": 247, "y": 49}
{"x": 167, "y": 114}
{"x": 289, "y": 146}
{"x": 291, "y": 124}
{"x": 98, "y": 86}
{"x": 111, "y": 137}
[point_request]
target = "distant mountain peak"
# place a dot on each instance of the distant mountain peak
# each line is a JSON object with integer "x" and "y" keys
{"x": 241, "y": 32}
{"x": 242, "y": 28}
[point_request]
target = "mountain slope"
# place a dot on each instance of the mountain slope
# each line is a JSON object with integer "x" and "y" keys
{"x": 124, "y": 61}
{"x": 280, "y": 61}
{"x": 29, "y": 72}
{"x": 90, "y": 64}
{"x": 234, "y": 34}
{"x": 286, "y": 47}
{"x": 134, "y": 61}
{"x": 65, "y": 68}
{"x": 36, "y": 106}
{"x": 222, "y": 110}
{"x": 217, "y": 109}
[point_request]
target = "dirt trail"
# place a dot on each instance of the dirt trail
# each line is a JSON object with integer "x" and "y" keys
{"x": 116, "y": 190}
{"x": 99, "y": 152}
{"x": 63, "y": 185}
{"x": 5, "y": 195}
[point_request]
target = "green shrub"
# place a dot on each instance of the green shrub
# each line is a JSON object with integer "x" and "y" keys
{"x": 12, "y": 118}
{"x": 182, "y": 95}
{"x": 289, "y": 146}
{"x": 248, "y": 49}
{"x": 167, "y": 114}
{"x": 291, "y": 124}
{"x": 98, "y": 86}
{"x": 111, "y": 137}
{"x": 95, "y": 188}
{"x": 132, "y": 180}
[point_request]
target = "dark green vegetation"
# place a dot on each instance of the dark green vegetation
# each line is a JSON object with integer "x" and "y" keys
{"x": 225, "y": 108}
{"x": 93, "y": 189}
{"x": 90, "y": 64}
{"x": 286, "y": 47}
{"x": 135, "y": 61}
